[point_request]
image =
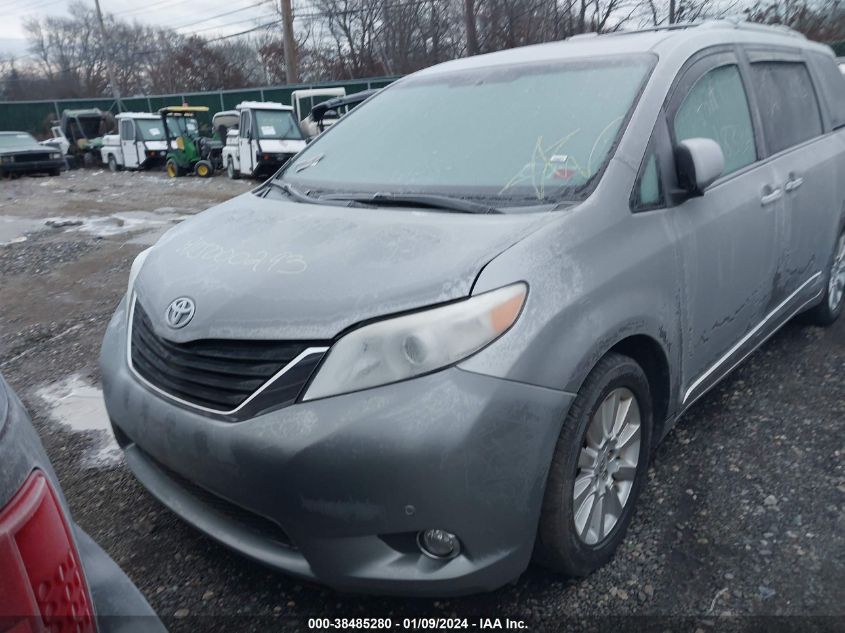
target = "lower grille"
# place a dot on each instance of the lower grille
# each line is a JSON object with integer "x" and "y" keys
{"x": 217, "y": 374}
{"x": 255, "y": 523}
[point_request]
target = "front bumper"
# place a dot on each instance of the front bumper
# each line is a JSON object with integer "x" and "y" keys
{"x": 32, "y": 167}
{"x": 336, "y": 490}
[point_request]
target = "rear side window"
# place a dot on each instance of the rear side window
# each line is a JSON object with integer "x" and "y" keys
{"x": 832, "y": 87}
{"x": 788, "y": 104}
{"x": 717, "y": 108}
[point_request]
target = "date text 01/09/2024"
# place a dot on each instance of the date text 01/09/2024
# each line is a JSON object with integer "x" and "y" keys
{"x": 416, "y": 623}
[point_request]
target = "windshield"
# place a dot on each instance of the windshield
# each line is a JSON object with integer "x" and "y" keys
{"x": 150, "y": 129}
{"x": 277, "y": 124}
{"x": 21, "y": 140}
{"x": 517, "y": 135}
{"x": 180, "y": 126}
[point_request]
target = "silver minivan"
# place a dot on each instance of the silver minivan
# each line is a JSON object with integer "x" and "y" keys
{"x": 444, "y": 339}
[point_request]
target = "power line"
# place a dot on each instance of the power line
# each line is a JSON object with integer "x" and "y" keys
{"x": 220, "y": 15}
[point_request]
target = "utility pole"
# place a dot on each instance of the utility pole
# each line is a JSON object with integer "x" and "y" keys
{"x": 290, "y": 44}
{"x": 469, "y": 22}
{"x": 107, "y": 53}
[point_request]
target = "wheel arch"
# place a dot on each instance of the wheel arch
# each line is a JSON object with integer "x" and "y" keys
{"x": 643, "y": 345}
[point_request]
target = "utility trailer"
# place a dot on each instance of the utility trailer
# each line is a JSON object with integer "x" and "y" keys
{"x": 140, "y": 142}
{"x": 267, "y": 135}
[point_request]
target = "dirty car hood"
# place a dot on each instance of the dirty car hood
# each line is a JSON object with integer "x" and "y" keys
{"x": 274, "y": 269}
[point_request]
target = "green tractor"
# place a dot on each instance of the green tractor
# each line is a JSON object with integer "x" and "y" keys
{"x": 187, "y": 150}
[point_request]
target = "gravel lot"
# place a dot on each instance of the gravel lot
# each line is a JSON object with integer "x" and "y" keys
{"x": 744, "y": 514}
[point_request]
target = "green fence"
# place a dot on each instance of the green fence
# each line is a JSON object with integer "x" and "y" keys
{"x": 36, "y": 116}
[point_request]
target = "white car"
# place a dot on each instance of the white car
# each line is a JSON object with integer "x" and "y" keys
{"x": 140, "y": 143}
{"x": 266, "y": 137}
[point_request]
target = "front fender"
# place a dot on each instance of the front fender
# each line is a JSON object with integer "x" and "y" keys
{"x": 620, "y": 279}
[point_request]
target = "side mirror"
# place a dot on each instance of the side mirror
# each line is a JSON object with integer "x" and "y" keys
{"x": 699, "y": 162}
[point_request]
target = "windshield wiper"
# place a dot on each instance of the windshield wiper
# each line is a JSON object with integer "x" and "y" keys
{"x": 433, "y": 201}
{"x": 301, "y": 196}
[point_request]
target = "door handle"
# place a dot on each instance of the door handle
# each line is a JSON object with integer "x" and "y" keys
{"x": 792, "y": 185}
{"x": 772, "y": 196}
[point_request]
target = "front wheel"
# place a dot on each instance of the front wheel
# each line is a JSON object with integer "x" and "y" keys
{"x": 598, "y": 469}
{"x": 172, "y": 168}
{"x": 834, "y": 296}
{"x": 113, "y": 167}
{"x": 204, "y": 169}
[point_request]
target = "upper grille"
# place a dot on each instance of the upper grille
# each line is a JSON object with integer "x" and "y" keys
{"x": 219, "y": 374}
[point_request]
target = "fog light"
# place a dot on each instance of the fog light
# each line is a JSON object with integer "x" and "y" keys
{"x": 439, "y": 544}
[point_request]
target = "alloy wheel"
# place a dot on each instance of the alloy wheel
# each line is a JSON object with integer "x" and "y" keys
{"x": 607, "y": 466}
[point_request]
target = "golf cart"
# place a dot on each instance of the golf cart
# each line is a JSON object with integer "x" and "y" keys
{"x": 305, "y": 100}
{"x": 188, "y": 151}
{"x": 332, "y": 110}
{"x": 265, "y": 138}
{"x": 81, "y": 132}
{"x": 139, "y": 144}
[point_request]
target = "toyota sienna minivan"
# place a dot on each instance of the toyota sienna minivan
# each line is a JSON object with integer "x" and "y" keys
{"x": 444, "y": 339}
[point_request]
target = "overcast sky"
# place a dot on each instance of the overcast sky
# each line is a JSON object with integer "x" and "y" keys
{"x": 194, "y": 15}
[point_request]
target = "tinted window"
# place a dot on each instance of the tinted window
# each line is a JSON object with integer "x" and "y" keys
{"x": 832, "y": 87}
{"x": 788, "y": 103}
{"x": 717, "y": 108}
{"x": 515, "y": 135}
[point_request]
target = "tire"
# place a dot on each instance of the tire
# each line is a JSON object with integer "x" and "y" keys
{"x": 833, "y": 301}
{"x": 560, "y": 544}
{"x": 113, "y": 166}
{"x": 204, "y": 169}
{"x": 172, "y": 169}
{"x": 230, "y": 169}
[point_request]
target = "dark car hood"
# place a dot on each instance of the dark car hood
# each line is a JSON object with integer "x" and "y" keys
{"x": 273, "y": 269}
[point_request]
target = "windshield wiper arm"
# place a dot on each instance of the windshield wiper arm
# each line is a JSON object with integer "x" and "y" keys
{"x": 301, "y": 196}
{"x": 433, "y": 201}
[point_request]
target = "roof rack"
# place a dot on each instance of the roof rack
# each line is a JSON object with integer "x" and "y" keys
{"x": 721, "y": 23}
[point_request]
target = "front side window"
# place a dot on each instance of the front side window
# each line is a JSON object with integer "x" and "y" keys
{"x": 244, "y": 124}
{"x": 514, "y": 136}
{"x": 648, "y": 191}
{"x": 277, "y": 124}
{"x": 788, "y": 104}
{"x": 126, "y": 131}
{"x": 717, "y": 108}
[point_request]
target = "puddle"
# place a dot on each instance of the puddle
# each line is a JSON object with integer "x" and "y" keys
{"x": 78, "y": 407}
{"x": 12, "y": 228}
{"x": 145, "y": 227}
{"x": 140, "y": 227}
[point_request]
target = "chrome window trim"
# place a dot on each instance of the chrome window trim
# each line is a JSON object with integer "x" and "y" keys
{"x": 748, "y": 336}
{"x": 306, "y": 353}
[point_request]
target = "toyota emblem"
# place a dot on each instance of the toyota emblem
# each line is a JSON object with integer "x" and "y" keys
{"x": 180, "y": 312}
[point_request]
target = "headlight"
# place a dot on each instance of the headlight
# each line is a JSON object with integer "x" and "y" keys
{"x": 7, "y": 159}
{"x": 406, "y": 346}
{"x": 55, "y": 156}
{"x": 136, "y": 268}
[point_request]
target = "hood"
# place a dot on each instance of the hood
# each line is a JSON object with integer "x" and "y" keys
{"x": 35, "y": 148}
{"x": 271, "y": 269}
{"x": 155, "y": 145}
{"x": 279, "y": 146}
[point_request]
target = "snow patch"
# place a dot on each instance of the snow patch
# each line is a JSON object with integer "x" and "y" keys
{"x": 78, "y": 407}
